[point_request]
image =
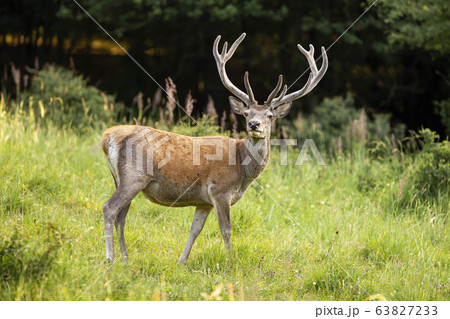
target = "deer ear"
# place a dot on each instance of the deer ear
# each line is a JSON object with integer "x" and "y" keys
{"x": 282, "y": 110}
{"x": 237, "y": 105}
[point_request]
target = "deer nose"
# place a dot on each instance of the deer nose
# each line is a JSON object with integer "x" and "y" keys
{"x": 253, "y": 125}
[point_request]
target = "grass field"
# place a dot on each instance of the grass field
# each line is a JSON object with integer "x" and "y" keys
{"x": 338, "y": 232}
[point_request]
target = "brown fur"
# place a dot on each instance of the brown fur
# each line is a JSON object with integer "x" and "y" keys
{"x": 180, "y": 173}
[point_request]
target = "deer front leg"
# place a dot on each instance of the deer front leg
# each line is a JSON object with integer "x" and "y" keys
{"x": 222, "y": 207}
{"x": 200, "y": 216}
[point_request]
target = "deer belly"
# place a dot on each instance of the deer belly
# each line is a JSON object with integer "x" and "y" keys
{"x": 168, "y": 194}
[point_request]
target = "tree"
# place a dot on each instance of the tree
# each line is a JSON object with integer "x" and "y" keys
{"x": 423, "y": 26}
{"x": 418, "y": 24}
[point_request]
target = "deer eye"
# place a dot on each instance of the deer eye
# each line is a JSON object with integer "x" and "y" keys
{"x": 270, "y": 116}
{"x": 246, "y": 113}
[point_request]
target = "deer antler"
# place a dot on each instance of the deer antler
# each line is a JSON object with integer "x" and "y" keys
{"x": 221, "y": 60}
{"x": 314, "y": 77}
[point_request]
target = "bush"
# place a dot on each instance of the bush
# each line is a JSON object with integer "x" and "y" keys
{"x": 335, "y": 114}
{"x": 205, "y": 127}
{"x": 431, "y": 174}
{"x": 337, "y": 125}
{"x": 57, "y": 94}
{"x": 329, "y": 124}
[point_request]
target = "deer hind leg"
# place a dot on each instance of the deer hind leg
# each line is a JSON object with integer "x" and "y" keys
{"x": 222, "y": 207}
{"x": 120, "y": 228}
{"x": 200, "y": 216}
{"x": 116, "y": 205}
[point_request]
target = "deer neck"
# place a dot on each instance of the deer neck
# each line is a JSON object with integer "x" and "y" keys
{"x": 255, "y": 155}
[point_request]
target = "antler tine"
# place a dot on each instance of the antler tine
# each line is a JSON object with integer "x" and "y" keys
{"x": 276, "y": 90}
{"x": 235, "y": 45}
{"x": 314, "y": 77}
{"x": 323, "y": 68}
{"x": 224, "y": 49}
{"x": 282, "y": 94}
{"x": 248, "y": 88}
{"x": 317, "y": 74}
{"x": 221, "y": 60}
{"x": 309, "y": 56}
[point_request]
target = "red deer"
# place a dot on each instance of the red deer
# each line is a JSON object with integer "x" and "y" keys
{"x": 205, "y": 172}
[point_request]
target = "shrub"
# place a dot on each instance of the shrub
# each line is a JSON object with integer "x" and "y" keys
{"x": 57, "y": 94}
{"x": 329, "y": 124}
{"x": 335, "y": 114}
{"x": 431, "y": 174}
{"x": 205, "y": 126}
{"x": 337, "y": 125}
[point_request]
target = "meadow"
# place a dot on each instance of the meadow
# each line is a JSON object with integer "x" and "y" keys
{"x": 353, "y": 229}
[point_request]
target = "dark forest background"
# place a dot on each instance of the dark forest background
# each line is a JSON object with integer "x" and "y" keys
{"x": 394, "y": 60}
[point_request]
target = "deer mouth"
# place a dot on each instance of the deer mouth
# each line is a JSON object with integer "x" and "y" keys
{"x": 256, "y": 133}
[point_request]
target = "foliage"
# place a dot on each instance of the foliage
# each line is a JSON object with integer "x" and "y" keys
{"x": 420, "y": 24}
{"x": 431, "y": 173}
{"x": 205, "y": 126}
{"x": 68, "y": 99}
{"x": 337, "y": 125}
{"x": 335, "y": 114}
{"x": 328, "y": 124}
{"x": 213, "y": 10}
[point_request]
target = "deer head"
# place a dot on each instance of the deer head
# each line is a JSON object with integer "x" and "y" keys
{"x": 259, "y": 117}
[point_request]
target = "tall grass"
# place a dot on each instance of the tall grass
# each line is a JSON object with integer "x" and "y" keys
{"x": 345, "y": 231}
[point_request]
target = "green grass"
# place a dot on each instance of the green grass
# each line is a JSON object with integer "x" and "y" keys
{"x": 353, "y": 235}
